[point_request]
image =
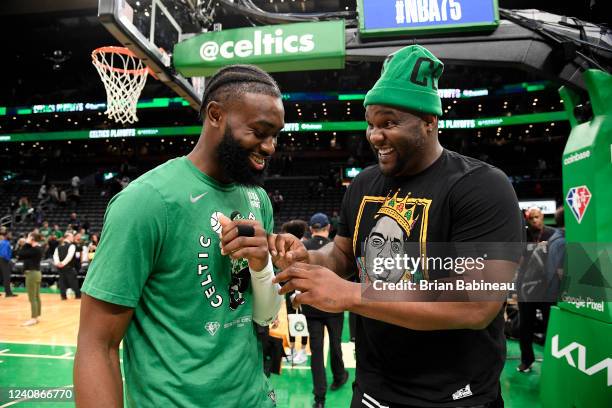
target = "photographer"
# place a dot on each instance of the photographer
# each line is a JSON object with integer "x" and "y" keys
{"x": 31, "y": 253}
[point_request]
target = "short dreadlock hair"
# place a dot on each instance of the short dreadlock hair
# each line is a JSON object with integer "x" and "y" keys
{"x": 236, "y": 80}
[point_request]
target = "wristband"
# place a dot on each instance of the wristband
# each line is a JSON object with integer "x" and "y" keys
{"x": 267, "y": 270}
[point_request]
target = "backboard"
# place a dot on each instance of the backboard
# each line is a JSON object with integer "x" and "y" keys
{"x": 150, "y": 29}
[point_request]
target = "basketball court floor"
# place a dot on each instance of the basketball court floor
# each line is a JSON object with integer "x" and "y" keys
{"x": 42, "y": 356}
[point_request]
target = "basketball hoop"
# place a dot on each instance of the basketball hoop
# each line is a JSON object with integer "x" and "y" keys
{"x": 124, "y": 76}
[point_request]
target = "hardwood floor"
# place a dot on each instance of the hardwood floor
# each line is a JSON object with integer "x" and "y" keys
{"x": 58, "y": 324}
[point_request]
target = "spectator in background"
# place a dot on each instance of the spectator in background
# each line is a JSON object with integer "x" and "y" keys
{"x": 334, "y": 220}
{"x": 24, "y": 209}
{"x": 298, "y": 229}
{"x": 45, "y": 230}
{"x": 64, "y": 260}
{"x": 31, "y": 253}
{"x": 74, "y": 221}
{"x": 53, "y": 193}
{"x": 536, "y": 232}
{"x": 42, "y": 192}
{"x": 63, "y": 198}
{"x": 57, "y": 232}
{"x": 277, "y": 201}
{"x": 318, "y": 320}
{"x": 556, "y": 256}
{"x": 84, "y": 236}
{"x": 52, "y": 244}
{"x": 75, "y": 191}
{"x": 90, "y": 250}
{"x": 95, "y": 239}
{"x": 6, "y": 254}
{"x": 43, "y": 196}
{"x": 78, "y": 242}
{"x": 75, "y": 183}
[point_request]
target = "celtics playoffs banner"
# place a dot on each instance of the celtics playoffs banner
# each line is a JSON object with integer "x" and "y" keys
{"x": 287, "y": 47}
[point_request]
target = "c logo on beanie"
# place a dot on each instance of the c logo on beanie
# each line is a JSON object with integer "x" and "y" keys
{"x": 420, "y": 77}
{"x": 409, "y": 80}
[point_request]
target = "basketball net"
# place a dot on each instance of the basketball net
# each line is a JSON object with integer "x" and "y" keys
{"x": 124, "y": 76}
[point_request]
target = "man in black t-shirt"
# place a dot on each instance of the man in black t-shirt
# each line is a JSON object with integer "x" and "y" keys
{"x": 415, "y": 353}
{"x": 318, "y": 320}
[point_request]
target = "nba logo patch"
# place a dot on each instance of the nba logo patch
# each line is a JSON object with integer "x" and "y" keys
{"x": 578, "y": 199}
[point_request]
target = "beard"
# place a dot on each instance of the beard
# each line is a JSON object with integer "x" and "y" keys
{"x": 234, "y": 161}
{"x": 407, "y": 152}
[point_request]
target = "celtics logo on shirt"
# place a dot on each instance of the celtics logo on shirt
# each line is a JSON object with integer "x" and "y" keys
{"x": 385, "y": 229}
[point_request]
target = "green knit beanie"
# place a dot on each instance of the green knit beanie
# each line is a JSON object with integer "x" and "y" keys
{"x": 409, "y": 80}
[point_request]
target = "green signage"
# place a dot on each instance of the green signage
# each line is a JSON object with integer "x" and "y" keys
{"x": 347, "y": 126}
{"x": 325, "y": 126}
{"x": 286, "y": 47}
{"x": 102, "y": 134}
{"x": 577, "y": 368}
{"x": 502, "y": 120}
{"x": 587, "y": 172}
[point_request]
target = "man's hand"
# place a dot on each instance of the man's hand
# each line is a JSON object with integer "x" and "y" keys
{"x": 287, "y": 249}
{"x": 320, "y": 287}
{"x": 59, "y": 265}
{"x": 253, "y": 248}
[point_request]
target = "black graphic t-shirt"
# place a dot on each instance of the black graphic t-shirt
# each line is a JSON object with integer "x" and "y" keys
{"x": 456, "y": 199}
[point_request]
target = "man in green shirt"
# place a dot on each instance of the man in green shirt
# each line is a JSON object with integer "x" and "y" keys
{"x": 45, "y": 230}
{"x": 161, "y": 279}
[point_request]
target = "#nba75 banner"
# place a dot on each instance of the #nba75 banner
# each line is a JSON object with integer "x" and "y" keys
{"x": 396, "y": 17}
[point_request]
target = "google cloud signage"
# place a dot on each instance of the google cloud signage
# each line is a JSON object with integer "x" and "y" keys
{"x": 397, "y": 17}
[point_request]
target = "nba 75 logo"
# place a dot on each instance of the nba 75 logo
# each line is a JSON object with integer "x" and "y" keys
{"x": 578, "y": 199}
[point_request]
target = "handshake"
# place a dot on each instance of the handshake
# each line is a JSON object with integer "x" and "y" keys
{"x": 247, "y": 239}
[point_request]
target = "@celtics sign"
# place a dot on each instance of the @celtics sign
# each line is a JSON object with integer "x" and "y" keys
{"x": 287, "y": 47}
{"x": 260, "y": 44}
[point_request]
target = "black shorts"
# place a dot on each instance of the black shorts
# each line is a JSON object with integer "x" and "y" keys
{"x": 364, "y": 400}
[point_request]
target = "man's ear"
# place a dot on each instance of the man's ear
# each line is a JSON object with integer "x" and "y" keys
{"x": 214, "y": 113}
{"x": 431, "y": 121}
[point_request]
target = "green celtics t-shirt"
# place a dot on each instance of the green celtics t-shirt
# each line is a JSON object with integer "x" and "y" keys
{"x": 191, "y": 342}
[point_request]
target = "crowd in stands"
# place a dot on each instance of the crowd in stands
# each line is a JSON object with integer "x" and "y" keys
{"x": 49, "y": 238}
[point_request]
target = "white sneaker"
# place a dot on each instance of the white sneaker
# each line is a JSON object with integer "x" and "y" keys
{"x": 30, "y": 322}
{"x": 300, "y": 357}
{"x": 291, "y": 355}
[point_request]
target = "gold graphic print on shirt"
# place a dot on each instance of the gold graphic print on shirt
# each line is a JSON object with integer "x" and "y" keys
{"x": 391, "y": 227}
